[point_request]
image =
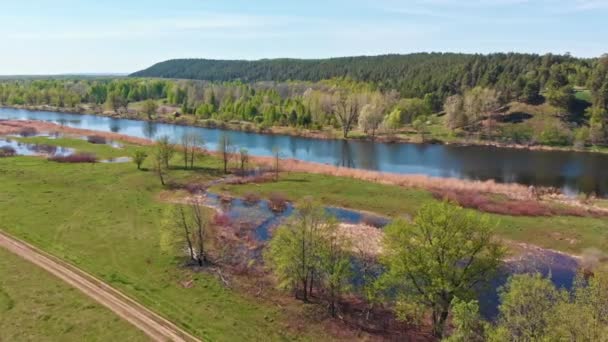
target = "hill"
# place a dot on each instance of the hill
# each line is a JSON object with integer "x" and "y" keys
{"x": 413, "y": 75}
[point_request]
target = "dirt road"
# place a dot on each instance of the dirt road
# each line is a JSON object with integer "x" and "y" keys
{"x": 158, "y": 328}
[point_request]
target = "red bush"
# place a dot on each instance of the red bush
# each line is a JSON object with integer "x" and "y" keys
{"x": 221, "y": 220}
{"x": 96, "y": 139}
{"x": 484, "y": 202}
{"x": 75, "y": 158}
{"x": 27, "y": 132}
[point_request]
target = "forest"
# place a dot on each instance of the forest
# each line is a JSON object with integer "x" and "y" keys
{"x": 508, "y": 98}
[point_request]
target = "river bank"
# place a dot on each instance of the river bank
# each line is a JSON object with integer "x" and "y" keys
{"x": 398, "y": 137}
{"x": 441, "y": 186}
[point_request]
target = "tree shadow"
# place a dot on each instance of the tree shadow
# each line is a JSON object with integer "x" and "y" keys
{"x": 199, "y": 169}
{"x": 292, "y": 180}
{"x": 576, "y": 114}
{"x": 515, "y": 117}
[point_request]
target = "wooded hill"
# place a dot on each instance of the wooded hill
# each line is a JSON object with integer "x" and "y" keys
{"x": 413, "y": 75}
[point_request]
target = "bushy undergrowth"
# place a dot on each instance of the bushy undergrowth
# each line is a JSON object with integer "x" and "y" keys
{"x": 75, "y": 158}
{"x": 490, "y": 204}
{"x": 7, "y": 151}
{"x": 96, "y": 139}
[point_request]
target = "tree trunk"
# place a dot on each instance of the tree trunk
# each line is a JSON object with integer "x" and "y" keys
{"x": 439, "y": 320}
{"x": 312, "y": 278}
{"x": 304, "y": 288}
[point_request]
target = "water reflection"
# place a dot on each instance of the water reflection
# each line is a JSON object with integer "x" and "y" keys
{"x": 570, "y": 171}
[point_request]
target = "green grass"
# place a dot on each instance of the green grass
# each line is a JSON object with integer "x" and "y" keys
{"x": 105, "y": 219}
{"x": 583, "y": 95}
{"x": 36, "y": 306}
{"x": 565, "y": 233}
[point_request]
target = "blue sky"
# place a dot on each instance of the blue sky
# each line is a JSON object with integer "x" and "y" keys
{"x": 70, "y": 36}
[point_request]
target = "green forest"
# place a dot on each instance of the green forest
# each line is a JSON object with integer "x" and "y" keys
{"x": 524, "y": 99}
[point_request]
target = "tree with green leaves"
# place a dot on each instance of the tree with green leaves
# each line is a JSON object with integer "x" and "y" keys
{"x": 294, "y": 253}
{"x": 139, "y": 157}
{"x": 446, "y": 252}
{"x": 533, "y": 309}
{"x": 164, "y": 150}
{"x": 149, "y": 108}
{"x": 468, "y": 324}
{"x": 525, "y": 307}
{"x": 335, "y": 265}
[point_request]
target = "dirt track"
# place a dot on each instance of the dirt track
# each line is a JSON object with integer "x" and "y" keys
{"x": 156, "y": 327}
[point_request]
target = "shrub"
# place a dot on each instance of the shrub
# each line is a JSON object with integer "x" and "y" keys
{"x": 96, "y": 139}
{"x": 518, "y": 134}
{"x": 7, "y": 151}
{"x": 277, "y": 202}
{"x": 554, "y": 136}
{"x": 45, "y": 149}
{"x": 139, "y": 157}
{"x": 221, "y": 220}
{"x": 194, "y": 188}
{"x": 28, "y": 132}
{"x": 251, "y": 198}
{"x": 75, "y": 158}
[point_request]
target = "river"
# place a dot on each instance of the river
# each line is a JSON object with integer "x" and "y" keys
{"x": 572, "y": 172}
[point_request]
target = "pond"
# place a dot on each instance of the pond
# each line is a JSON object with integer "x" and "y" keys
{"x": 572, "y": 172}
{"x": 261, "y": 220}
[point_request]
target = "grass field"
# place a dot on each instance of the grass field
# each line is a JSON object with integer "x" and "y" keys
{"x": 565, "y": 233}
{"x": 36, "y": 306}
{"x": 105, "y": 219}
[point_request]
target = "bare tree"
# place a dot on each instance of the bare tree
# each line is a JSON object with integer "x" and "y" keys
{"x": 193, "y": 230}
{"x": 190, "y": 142}
{"x": 346, "y": 109}
{"x": 276, "y": 152}
{"x": 225, "y": 147}
{"x": 244, "y": 159}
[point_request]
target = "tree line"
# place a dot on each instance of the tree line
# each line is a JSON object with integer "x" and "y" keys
{"x": 473, "y": 89}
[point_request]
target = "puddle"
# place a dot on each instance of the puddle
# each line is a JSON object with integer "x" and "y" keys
{"x": 116, "y": 160}
{"x": 261, "y": 219}
{"x": 23, "y": 149}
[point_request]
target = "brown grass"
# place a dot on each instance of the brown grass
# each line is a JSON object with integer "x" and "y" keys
{"x": 506, "y": 206}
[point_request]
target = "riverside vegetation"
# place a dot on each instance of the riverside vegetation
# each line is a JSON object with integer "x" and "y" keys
{"x": 514, "y": 99}
{"x": 237, "y": 297}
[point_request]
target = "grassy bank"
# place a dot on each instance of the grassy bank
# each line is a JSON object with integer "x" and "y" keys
{"x": 35, "y": 306}
{"x": 566, "y": 233}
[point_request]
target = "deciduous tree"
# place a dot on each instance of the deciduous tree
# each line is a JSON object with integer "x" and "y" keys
{"x": 445, "y": 253}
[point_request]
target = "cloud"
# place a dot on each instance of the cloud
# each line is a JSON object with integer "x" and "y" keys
{"x": 591, "y": 4}
{"x": 203, "y": 24}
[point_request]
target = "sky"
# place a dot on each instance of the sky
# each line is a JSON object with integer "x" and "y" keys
{"x": 123, "y": 36}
